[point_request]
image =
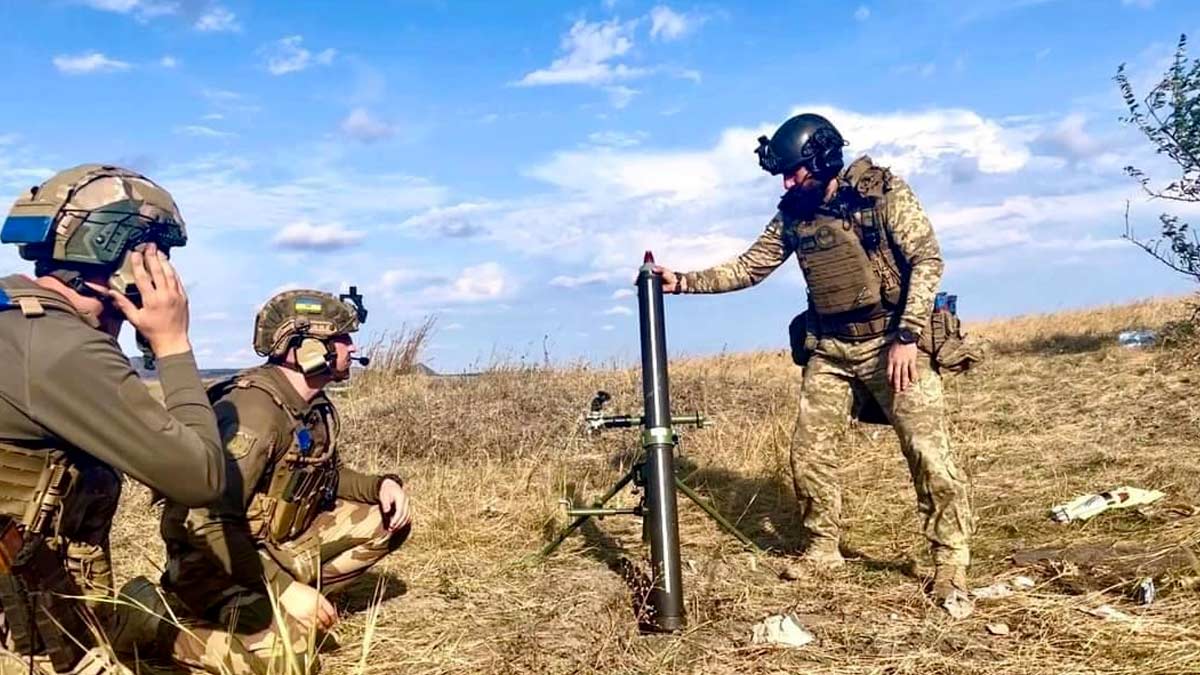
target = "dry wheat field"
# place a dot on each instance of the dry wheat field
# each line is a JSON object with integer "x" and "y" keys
{"x": 1059, "y": 409}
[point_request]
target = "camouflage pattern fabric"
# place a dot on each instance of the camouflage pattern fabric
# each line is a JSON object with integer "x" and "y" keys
{"x": 917, "y": 415}
{"x": 305, "y": 312}
{"x": 910, "y": 230}
{"x": 339, "y": 547}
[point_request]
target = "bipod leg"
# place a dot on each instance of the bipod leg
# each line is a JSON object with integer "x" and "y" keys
{"x": 578, "y": 522}
{"x": 716, "y": 516}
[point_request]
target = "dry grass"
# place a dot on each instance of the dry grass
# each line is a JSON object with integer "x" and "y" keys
{"x": 1058, "y": 410}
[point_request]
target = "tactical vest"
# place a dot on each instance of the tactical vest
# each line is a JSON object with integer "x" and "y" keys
{"x": 855, "y": 284}
{"x": 301, "y": 482}
{"x": 36, "y": 480}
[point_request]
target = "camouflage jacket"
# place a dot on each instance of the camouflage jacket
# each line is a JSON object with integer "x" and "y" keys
{"x": 911, "y": 233}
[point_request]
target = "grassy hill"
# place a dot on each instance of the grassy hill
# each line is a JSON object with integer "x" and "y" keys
{"x": 1059, "y": 410}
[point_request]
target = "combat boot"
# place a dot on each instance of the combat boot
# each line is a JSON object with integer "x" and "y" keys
{"x": 138, "y": 617}
{"x": 821, "y": 555}
{"x": 950, "y": 590}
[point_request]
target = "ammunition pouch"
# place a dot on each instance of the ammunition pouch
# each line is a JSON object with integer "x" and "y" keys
{"x": 39, "y": 599}
{"x": 802, "y": 341}
{"x": 952, "y": 351}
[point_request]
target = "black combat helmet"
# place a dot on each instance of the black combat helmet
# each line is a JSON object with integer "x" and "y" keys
{"x": 806, "y": 140}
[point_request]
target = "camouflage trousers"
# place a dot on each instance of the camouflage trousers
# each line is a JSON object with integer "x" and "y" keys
{"x": 836, "y": 370}
{"x": 241, "y": 633}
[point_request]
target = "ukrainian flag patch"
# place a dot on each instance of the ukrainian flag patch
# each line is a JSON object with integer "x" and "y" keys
{"x": 308, "y": 305}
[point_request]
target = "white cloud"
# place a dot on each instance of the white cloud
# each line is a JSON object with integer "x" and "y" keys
{"x": 313, "y": 192}
{"x": 1070, "y": 139}
{"x": 8, "y": 139}
{"x": 862, "y": 13}
{"x": 202, "y": 131}
{"x": 141, "y": 9}
{"x": 564, "y": 281}
{"x": 1143, "y": 4}
{"x": 306, "y": 236}
{"x": 168, "y": 62}
{"x": 487, "y": 281}
{"x": 287, "y": 55}
{"x": 362, "y": 126}
{"x": 590, "y": 48}
{"x": 618, "y": 310}
{"x": 666, "y": 24}
{"x": 617, "y": 139}
{"x": 620, "y": 96}
{"x": 91, "y": 62}
{"x": 218, "y": 20}
{"x": 607, "y": 327}
{"x": 622, "y": 293}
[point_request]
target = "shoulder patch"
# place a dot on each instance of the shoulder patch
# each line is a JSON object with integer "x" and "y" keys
{"x": 241, "y": 444}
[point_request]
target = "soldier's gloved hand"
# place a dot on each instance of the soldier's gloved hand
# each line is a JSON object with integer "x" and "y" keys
{"x": 393, "y": 503}
{"x": 902, "y": 366}
{"x": 163, "y": 316}
{"x": 308, "y": 607}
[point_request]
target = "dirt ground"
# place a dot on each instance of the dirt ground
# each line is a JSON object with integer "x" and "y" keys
{"x": 1059, "y": 409}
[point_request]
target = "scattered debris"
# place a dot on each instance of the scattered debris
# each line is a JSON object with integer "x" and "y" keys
{"x": 1144, "y": 592}
{"x": 1084, "y": 507}
{"x": 998, "y": 628}
{"x": 781, "y": 629}
{"x": 1136, "y": 338}
{"x": 1108, "y": 613}
{"x": 997, "y": 591}
{"x": 958, "y": 604}
{"x": 1023, "y": 582}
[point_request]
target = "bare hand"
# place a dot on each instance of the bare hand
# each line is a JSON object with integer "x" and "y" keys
{"x": 902, "y": 366}
{"x": 393, "y": 502}
{"x": 163, "y": 316}
{"x": 671, "y": 280}
{"x": 308, "y": 607}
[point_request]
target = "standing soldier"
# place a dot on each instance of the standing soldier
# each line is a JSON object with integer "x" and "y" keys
{"x": 74, "y": 416}
{"x": 872, "y": 266}
{"x": 292, "y": 515}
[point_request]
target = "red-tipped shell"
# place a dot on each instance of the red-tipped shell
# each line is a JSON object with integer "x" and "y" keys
{"x": 648, "y": 258}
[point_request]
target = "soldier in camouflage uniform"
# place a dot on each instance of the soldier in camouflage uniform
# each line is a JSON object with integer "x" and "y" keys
{"x": 75, "y": 417}
{"x": 293, "y": 518}
{"x": 872, "y": 267}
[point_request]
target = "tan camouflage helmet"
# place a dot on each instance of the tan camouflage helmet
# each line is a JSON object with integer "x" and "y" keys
{"x": 298, "y": 314}
{"x": 92, "y": 215}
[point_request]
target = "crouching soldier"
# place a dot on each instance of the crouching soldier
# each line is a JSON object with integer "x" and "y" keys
{"x": 293, "y": 523}
{"x": 75, "y": 417}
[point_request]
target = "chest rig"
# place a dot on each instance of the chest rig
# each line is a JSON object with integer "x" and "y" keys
{"x": 37, "y": 479}
{"x": 855, "y": 282}
{"x": 301, "y": 481}
{"x": 48, "y": 494}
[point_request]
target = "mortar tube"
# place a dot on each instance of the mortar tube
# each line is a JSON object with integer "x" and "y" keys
{"x": 658, "y": 440}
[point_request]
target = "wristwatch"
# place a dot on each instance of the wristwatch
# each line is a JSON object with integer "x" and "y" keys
{"x": 905, "y": 336}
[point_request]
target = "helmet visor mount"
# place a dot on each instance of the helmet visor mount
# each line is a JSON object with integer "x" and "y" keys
{"x": 775, "y": 165}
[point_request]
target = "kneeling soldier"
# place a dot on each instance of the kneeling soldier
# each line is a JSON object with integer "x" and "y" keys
{"x": 292, "y": 515}
{"x": 74, "y": 417}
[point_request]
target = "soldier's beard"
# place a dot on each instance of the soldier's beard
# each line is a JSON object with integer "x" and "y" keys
{"x": 801, "y": 202}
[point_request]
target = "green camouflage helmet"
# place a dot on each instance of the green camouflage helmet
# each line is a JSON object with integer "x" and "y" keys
{"x": 93, "y": 215}
{"x": 299, "y": 314}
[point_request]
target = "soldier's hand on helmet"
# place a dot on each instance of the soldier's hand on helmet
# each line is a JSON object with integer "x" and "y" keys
{"x": 902, "y": 366}
{"x": 163, "y": 315}
{"x": 308, "y": 607}
{"x": 393, "y": 503}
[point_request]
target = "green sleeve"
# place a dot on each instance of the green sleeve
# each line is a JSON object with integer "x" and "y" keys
{"x": 250, "y": 427}
{"x": 358, "y": 486}
{"x": 82, "y": 389}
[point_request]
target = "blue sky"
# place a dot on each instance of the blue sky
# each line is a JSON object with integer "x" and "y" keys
{"x": 504, "y": 165}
